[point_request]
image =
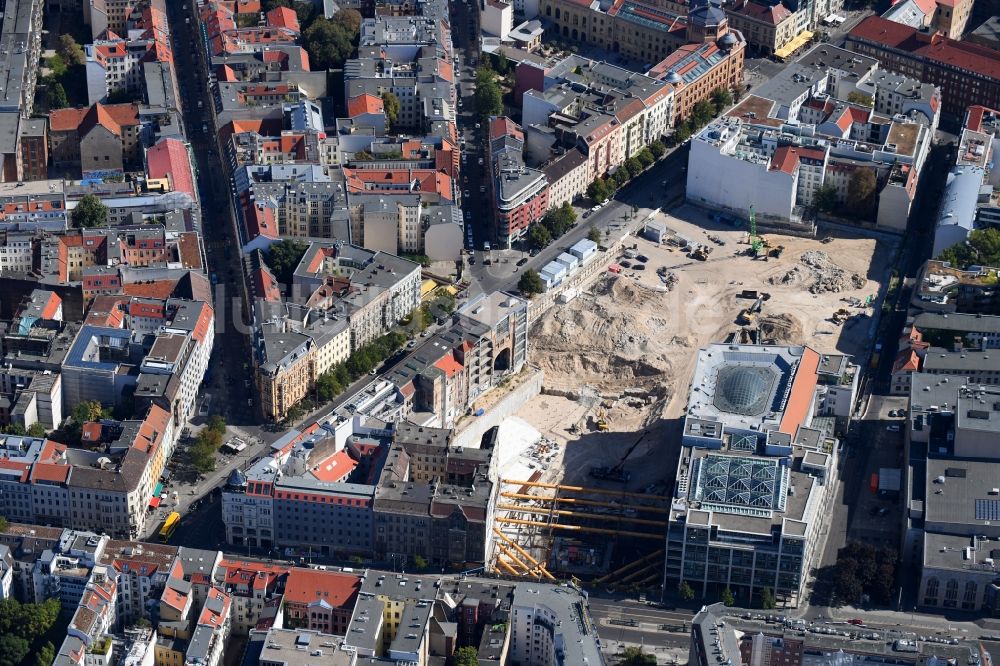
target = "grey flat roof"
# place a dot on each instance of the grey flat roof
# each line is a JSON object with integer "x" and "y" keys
{"x": 964, "y": 482}
{"x": 941, "y": 360}
{"x": 302, "y": 647}
{"x": 574, "y": 627}
{"x": 956, "y": 321}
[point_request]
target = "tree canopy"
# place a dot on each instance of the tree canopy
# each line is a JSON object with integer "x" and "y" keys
{"x": 391, "y": 105}
{"x": 539, "y": 236}
{"x": 530, "y": 283}
{"x": 284, "y": 256}
{"x": 594, "y": 234}
{"x": 330, "y": 41}
{"x": 22, "y": 627}
{"x": 722, "y": 98}
{"x": 863, "y": 569}
{"x": 861, "y": 191}
{"x": 981, "y": 248}
{"x": 466, "y": 656}
{"x": 599, "y": 190}
{"x": 488, "y": 98}
{"x": 634, "y": 656}
{"x": 70, "y": 52}
{"x": 90, "y": 212}
{"x": 826, "y": 198}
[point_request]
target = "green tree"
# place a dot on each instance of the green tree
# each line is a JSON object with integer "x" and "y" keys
{"x": 502, "y": 64}
{"x": 3, "y": 524}
{"x": 981, "y": 248}
{"x": 327, "y": 386}
{"x": 702, "y": 113}
{"x": 55, "y": 96}
{"x": 860, "y": 99}
{"x": 682, "y": 133}
{"x": 559, "y": 220}
{"x": 598, "y": 190}
{"x": 45, "y": 655}
{"x": 284, "y": 256}
{"x": 727, "y": 597}
{"x": 216, "y": 424}
{"x": 420, "y": 562}
{"x": 767, "y": 601}
{"x": 488, "y": 98}
{"x": 329, "y": 42}
{"x": 349, "y": 20}
{"x": 14, "y": 429}
{"x": 622, "y": 176}
{"x": 658, "y": 149}
{"x": 87, "y": 410}
{"x": 530, "y": 283}
{"x": 90, "y": 212}
{"x": 634, "y": 166}
{"x": 539, "y": 236}
{"x": 634, "y": 656}
{"x": 826, "y": 198}
{"x": 861, "y": 191}
{"x": 687, "y": 594}
{"x": 70, "y": 52}
{"x": 391, "y": 105}
{"x": 466, "y": 656}
{"x": 722, "y": 98}
{"x": 36, "y": 429}
{"x": 645, "y": 157}
{"x": 13, "y": 649}
{"x": 57, "y": 67}
{"x": 594, "y": 234}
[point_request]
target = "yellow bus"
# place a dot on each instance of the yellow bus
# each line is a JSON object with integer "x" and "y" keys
{"x": 169, "y": 526}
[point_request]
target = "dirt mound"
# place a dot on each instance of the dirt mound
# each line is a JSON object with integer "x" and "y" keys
{"x": 601, "y": 369}
{"x": 781, "y": 329}
{"x": 827, "y": 276}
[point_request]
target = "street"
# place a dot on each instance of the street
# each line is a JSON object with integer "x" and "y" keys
{"x": 661, "y": 185}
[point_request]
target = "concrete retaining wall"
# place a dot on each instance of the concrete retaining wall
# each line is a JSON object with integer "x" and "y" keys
{"x": 471, "y": 434}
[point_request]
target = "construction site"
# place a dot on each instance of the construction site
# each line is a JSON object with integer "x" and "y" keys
{"x": 618, "y": 360}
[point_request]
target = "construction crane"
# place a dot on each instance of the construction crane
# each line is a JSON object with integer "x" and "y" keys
{"x": 756, "y": 242}
{"x": 617, "y": 473}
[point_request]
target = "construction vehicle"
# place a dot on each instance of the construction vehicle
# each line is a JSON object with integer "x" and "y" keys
{"x": 618, "y": 474}
{"x": 700, "y": 252}
{"x": 756, "y": 242}
{"x": 747, "y": 316}
{"x": 602, "y": 424}
{"x": 840, "y": 316}
{"x": 776, "y": 251}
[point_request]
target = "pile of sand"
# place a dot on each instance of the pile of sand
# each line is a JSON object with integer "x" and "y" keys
{"x": 608, "y": 340}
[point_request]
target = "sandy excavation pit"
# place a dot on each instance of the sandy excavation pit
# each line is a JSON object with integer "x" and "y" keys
{"x": 624, "y": 351}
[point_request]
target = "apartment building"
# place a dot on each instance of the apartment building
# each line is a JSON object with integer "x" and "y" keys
{"x": 780, "y": 167}
{"x": 965, "y": 72}
{"x": 100, "y": 138}
{"x": 319, "y": 600}
{"x": 520, "y": 193}
{"x": 766, "y": 28}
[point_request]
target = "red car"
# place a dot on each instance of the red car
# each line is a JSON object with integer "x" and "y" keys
{"x": 855, "y": 621}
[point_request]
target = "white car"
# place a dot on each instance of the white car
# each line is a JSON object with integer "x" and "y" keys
{"x": 480, "y": 161}
{"x": 482, "y": 188}
{"x": 465, "y": 194}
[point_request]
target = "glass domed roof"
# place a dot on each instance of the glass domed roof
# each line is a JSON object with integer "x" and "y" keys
{"x": 744, "y": 390}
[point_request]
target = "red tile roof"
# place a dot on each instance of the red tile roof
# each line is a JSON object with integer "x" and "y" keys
{"x": 151, "y": 289}
{"x": 937, "y": 47}
{"x": 169, "y": 159}
{"x": 304, "y": 586}
{"x": 51, "y": 305}
{"x": 335, "y": 468}
{"x": 364, "y": 104}
{"x": 449, "y": 365}
{"x": 786, "y": 158}
{"x": 283, "y": 17}
{"x": 800, "y": 396}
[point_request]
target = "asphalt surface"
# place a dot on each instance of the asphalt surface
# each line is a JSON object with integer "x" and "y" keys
{"x": 660, "y": 186}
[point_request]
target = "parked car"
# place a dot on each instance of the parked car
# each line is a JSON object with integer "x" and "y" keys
{"x": 643, "y": 258}
{"x": 856, "y": 621}
{"x": 892, "y": 428}
{"x": 522, "y": 261}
